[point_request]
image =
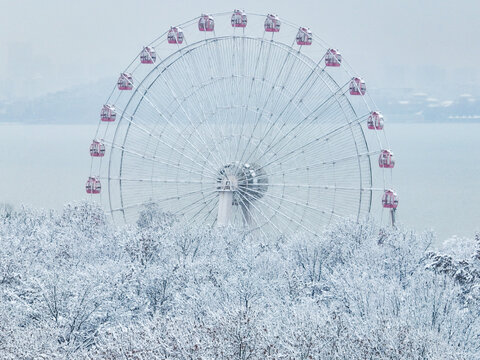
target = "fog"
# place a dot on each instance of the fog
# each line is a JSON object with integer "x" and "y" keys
{"x": 428, "y": 47}
{"x": 47, "y": 46}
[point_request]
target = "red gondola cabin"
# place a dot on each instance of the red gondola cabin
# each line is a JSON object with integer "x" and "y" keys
{"x": 239, "y": 19}
{"x": 93, "y": 186}
{"x": 175, "y": 35}
{"x": 148, "y": 55}
{"x": 108, "y": 113}
{"x": 272, "y": 23}
{"x": 390, "y": 199}
{"x": 357, "y": 86}
{"x": 97, "y": 149}
{"x": 386, "y": 159}
{"x": 125, "y": 82}
{"x": 333, "y": 58}
{"x": 206, "y": 23}
{"x": 375, "y": 121}
{"x": 304, "y": 36}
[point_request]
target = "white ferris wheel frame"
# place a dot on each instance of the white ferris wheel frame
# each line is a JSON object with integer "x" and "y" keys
{"x": 215, "y": 161}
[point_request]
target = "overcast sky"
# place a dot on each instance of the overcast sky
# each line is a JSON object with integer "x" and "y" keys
{"x": 408, "y": 43}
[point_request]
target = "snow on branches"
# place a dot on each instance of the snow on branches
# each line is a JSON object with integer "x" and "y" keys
{"x": 72, "y": 285}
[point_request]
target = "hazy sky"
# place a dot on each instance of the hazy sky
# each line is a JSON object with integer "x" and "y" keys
{"x": 56, "y": 44}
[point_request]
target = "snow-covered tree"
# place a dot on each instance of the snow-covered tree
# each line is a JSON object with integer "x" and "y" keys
{"x": 72, "y": 285}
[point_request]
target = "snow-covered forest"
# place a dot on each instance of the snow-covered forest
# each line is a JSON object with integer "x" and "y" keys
{"x": 75, "y": 286}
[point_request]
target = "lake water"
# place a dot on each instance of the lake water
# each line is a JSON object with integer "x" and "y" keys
{"x": 437, "y": 172}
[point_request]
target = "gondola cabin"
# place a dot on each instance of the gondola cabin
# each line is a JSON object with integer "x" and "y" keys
{"x": 206, "y": 23}
{"x": 390, "y": 199}
{"x": 239, "y": 19}
{"x": 148, "y": 55}
{"x": 304, "y": 36}
{"x": 125, "y": 81}
{"x": 272, "y": 23}
{"x": 386, "y": 159}
{"x": 93, "y": 186}
{"x": 175, "y": 35}
{"x": 333, "y": 58}
{"x": 375, "y": 121}
{"x": 357, "y": 86}
{"x": 108, "y": 113}
{"x": 97, "y": 149}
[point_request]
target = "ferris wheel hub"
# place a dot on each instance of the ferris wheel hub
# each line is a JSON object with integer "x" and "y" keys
{"x": 239, "y": 184}
{"x": 248, "y": 181}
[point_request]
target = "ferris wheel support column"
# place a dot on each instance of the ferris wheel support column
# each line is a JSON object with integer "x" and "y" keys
{"x": 225, "y": 202}
{"x": 392, "y": 213}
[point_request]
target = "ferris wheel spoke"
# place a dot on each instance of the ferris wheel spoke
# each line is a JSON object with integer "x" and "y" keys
{"x": 166, "y": 181}
{"x": 283, "y": 87}
{"x": 326, "y": 187}
{"x": 300, "y": 124}
{"x": 245, "y": 213}
{"x": 145, "y": 97}
{"x": 329, "y": 101}
{"x": 247, "y": 203}
{"x": 210, "y": 130}
{"x": 168, "y": 145}
{"x": 221, "y": 97}
{"x": 207, "y": 213}
{"x": 251, "y": 88}
{"x": 236, "y": 93}
{"x": 149, "y": 133}
{"x": 213, "y": 102}
{"x": 168, "y": 198}
{"x": 263, "y": 201}
{"x": 157, "y": 159}
{"x": 196, "y": 204}
{"x": 300, "y": 204}
{"x": 264, "y": 104}
{"x": 311, "y": 166}
{"x": 286, "y": 135}
{"x": 292, "y": 97}
{"x": 335, "y": 131}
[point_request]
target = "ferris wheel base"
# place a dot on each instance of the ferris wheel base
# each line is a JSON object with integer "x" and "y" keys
{"x": 225, "y": 204}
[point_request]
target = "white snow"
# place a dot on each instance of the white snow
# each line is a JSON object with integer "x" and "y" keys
{"x": 74, "y": 286}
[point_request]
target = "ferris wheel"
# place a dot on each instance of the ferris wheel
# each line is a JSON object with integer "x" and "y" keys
{"x": 243, "y": 119}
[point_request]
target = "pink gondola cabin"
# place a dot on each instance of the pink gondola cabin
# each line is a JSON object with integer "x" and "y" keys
{"x": 333, "y": 58}
{"x": 97, "y": 149}
{"x": 304, "y": 36}
{"x": 108, "y": 113}
{"x": 357, "y": 86}
{"x": 148, "y": 55}
{"x": 386, "y": 159}
{"x": 272, "y": 23}
{"x": 239, "y": 19}
{"x": 125, "y": 82}
{"x": 206, "y": 23}
{"x": 390, "y": 199}
{"x": 93, "y": 186}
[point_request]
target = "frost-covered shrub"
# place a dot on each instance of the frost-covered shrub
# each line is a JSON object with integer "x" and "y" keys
{"x": 154, "y": 218}
{"x": 74, "y": 286}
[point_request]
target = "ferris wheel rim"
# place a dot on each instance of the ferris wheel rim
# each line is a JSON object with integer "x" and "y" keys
{"x": 243, "y": 36}
{"x": 313, "y": 65}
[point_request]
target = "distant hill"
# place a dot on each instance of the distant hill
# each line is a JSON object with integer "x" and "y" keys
{"x": 409, "y": 105}
{"x": 81, "y": 105}
{"x": 77, "y": 105}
